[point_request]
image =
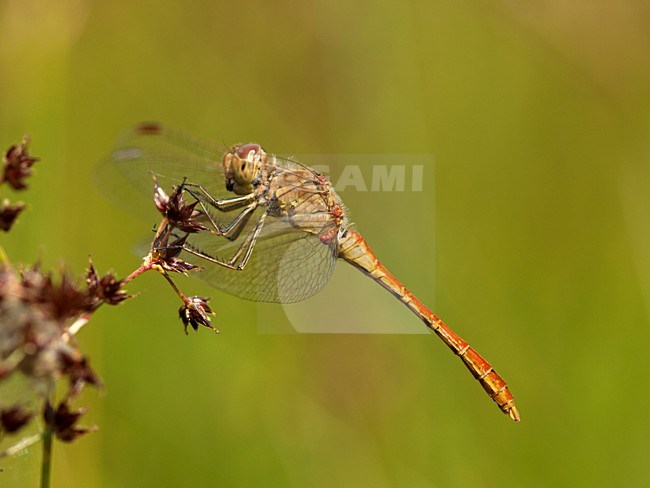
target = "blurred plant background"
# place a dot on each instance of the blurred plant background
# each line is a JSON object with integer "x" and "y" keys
{"x": 539, "y": 246}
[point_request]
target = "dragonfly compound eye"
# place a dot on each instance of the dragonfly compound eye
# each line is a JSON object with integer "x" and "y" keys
{"x": 248, "y": 152}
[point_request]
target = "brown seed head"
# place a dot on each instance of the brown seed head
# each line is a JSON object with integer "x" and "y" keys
{"x": 17, "y": 165}
{"x": 195, "y": 312}
{"x": 176, "y": 210}
{"x": 14, "y": 418}
{"x": 9, "y": 213}
{"x": 62, "y": 421}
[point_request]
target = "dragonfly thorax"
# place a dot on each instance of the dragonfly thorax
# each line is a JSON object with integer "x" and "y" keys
{"x": 241, "y": 167}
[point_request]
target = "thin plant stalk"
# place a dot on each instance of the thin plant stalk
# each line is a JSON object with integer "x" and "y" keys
{"x": 46, "y": 462}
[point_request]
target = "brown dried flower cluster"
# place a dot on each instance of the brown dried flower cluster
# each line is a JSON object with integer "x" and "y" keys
{"x": 40, "y": 314}
{"x": 9, "y": 213}
{"x": 195, "y": 312}
{"x": 14, "y": 418}
{"x": 17, "y": 165}
{"x": 39, "y": 318}
{"x": 178, "y": 216}
{"x": 16, "y": 168}
{"x": 63, "y": 421}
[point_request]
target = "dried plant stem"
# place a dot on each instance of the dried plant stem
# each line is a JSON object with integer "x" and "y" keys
{"x": 173, "y": 285}
{"x": 144, "y": 267}
{"x": 19, "y": 446}
{"x": 77, "y": 325}
{"x": 147, "y": 265}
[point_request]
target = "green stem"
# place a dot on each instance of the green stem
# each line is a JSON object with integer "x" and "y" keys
{"x": 173, "y": 285}
{"x": 46, "y": 463}
{"x": 48, "y": 435}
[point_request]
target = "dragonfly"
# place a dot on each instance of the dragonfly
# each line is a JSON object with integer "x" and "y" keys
{"x": 274, "y": 228}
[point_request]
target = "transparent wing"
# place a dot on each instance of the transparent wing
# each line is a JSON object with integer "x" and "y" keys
{"x": 151, "y": 149}
{"x": 286, "y": 265}
{"x": 125, "y": 177}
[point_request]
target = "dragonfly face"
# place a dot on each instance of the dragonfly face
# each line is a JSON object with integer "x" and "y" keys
{"x": 241, "y": 166}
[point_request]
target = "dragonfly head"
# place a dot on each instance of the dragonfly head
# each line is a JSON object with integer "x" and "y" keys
{"x": 241, "y": 166}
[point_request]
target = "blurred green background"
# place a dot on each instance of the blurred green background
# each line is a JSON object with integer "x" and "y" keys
{"x": 539, "y": 248}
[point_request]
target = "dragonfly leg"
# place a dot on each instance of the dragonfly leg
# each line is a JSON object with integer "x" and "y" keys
{"x": 232, "y": 230}
{"x": 235, "y": 227}
{"x": 246, "y": 248}
{"x": 224, "y": 204}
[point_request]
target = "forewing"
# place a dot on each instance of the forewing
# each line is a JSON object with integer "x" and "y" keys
{"x": 148, "y": 150}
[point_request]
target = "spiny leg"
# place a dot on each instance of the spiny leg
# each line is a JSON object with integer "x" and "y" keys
{"x": 224, "y": 204}
{"x": 233, "y": 229}
{"x": 245, "y": 248}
